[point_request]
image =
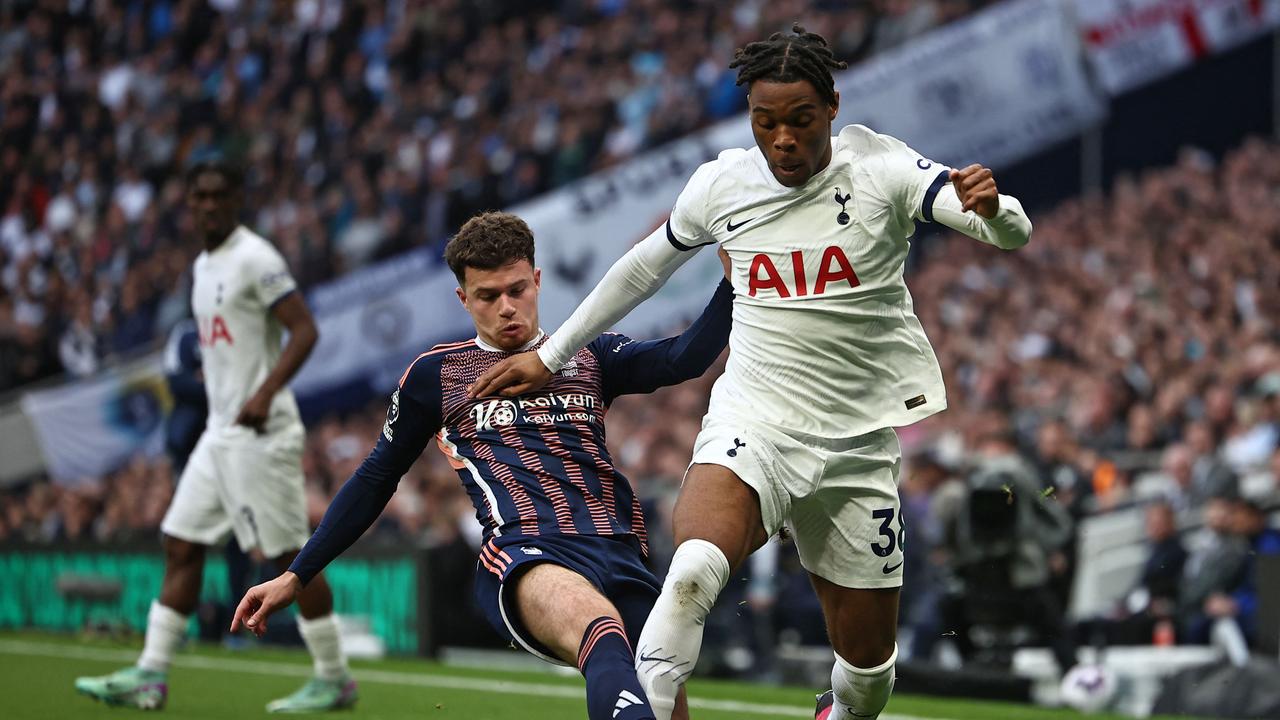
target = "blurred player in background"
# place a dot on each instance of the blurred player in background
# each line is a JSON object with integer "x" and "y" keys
{"x": 561, "y": 568}
{"x": 185, "y": 424}
{"x": 245, "y": 473}
{"x": 182, "y": 373}
{"x": 827, "y": 357}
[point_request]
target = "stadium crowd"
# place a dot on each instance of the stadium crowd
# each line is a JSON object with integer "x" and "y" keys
{"x": 369, "y": 126}
{"x": 1128, "y": 355}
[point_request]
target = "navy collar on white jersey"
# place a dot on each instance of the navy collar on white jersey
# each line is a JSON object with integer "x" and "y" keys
{"x": 527, "y": 346}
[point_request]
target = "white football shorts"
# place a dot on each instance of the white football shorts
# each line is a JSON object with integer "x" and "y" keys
{"x": 838, "y": 498}
{"x": 237, "y": 480}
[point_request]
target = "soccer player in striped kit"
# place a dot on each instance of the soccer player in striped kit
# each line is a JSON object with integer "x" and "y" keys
{"x": 561, "y": 571}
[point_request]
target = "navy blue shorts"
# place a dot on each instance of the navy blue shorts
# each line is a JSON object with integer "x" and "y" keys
{"x": 611, "y": 563}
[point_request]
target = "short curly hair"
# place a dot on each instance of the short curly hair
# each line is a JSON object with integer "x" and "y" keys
{"x": 488, "y": 241}
{"x": 789, "y": 58}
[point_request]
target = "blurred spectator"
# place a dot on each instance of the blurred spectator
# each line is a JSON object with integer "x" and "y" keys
{"x": 1249, "y": 522}
{"x": 1059, "y": 461}
{"x": 1176, "y": 463}
{"x": 186, "y": 420}
{"x": 1211, "y": 476}
{"x": 1153, "y": 600}
{"x": 1216, "y": 565}
{"x": 932, "y": 496}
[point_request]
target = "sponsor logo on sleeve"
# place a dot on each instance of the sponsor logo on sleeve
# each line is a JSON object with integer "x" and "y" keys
{"x": 393, "y": 414}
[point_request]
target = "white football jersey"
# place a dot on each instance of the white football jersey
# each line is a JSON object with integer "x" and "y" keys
{"x": 825, "y": 341}
{"x": 235, "y": 287}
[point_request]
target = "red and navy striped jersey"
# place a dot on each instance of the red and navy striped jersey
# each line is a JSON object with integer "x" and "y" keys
{"x": 533, "y": 465}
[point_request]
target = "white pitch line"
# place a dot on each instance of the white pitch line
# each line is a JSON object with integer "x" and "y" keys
{"x": 389, "y": 677}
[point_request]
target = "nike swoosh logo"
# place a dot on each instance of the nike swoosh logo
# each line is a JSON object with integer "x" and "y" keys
{"x": 731, "y": 227}
{"x": 886, "y": 569}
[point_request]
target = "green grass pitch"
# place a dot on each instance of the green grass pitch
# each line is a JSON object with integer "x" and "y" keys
{"x": 210, "y": 682}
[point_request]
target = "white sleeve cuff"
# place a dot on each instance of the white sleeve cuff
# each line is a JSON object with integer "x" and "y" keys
{"x": 1009, "y": 229}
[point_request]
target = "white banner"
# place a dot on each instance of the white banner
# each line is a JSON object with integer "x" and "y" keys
{"x": 991, "y": 89}
{"x": 88, "y": 428}
{"x": 1224, "y": 24}
{"x": 1133, "y": 43}
{"x": 375, "y": 321}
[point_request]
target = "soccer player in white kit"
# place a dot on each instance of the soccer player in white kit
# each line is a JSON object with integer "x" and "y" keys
{"x": 245, "y": 474}
{"x": 826, "y": 357}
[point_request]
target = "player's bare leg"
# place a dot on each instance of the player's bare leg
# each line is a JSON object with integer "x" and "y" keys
{"x": 183, "y": 574}
{"x": 567, "y": 614}
{"x": 717, "y": 526}
{"x": 144, "y": 685}
{"x": 332, "y": 687}
{"x": 862, "y": 625}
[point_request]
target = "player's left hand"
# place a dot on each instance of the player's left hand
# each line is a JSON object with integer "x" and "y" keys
{"x": 262, "y": 600}
{"x": 516, "y": 375}
{"x": 255, "y": 411}
{"x": 726, "y": 263}
{"x": 976, "y": 188}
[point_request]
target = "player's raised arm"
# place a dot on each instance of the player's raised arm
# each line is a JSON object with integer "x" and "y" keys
{"x": 631, "y": 280}
{"x": 970, "y": 203}
{"x": 631, "y": 367}
{"x": 412, "y": 419}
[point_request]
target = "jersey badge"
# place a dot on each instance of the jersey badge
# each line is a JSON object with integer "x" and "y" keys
{"x": 843, "y": 217}
{"x": 570, "y": 368}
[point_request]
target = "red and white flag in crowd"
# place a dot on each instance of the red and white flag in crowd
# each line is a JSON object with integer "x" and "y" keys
{"x": 1132, "y": 42}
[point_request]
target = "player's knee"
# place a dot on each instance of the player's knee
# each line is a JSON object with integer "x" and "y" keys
{"x": 867, "y": 652}
{"x": 698, "y": 572}
{"x": 181, "y": 554}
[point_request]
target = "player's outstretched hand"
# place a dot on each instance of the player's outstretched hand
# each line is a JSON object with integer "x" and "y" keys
{"x": 517, "y": 374}
{"x": 976, "y": 188}
{"x": 255, "y": 411}
{"x": 264, "y": 599}
{"x": 727, "y": 264}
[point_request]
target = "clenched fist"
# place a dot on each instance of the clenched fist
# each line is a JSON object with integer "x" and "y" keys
{"x": 976, "y": 188}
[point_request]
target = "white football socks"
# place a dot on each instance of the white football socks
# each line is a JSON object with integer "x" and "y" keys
{"x": 165, "y": 629}
{"x": 672, "y": 637}
{"x": 321, "y": 636}
{"x": 859, "y": 692}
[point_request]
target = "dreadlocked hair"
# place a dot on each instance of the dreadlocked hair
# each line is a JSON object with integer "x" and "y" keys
{"x": 789, "y": 58}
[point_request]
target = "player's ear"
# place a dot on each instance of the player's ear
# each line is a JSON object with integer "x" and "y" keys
{"x": 462, "y": 296}
{"x": 537, "y": 278}
{"x": 834, "y": 109}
